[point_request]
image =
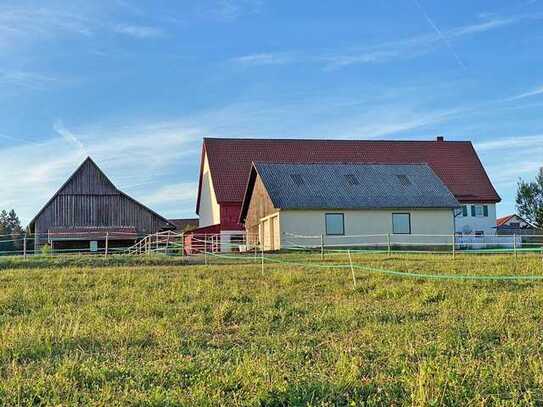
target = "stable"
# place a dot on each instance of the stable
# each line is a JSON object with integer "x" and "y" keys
{"x": 88, "y": 212}
{"x": 293, "y": 205}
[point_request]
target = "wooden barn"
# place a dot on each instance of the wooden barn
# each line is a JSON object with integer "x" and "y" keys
{"x": 89, "y": 210}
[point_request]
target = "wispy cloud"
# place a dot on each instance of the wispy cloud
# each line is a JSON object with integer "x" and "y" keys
{"x": 230, "y": 10}
{"x": 533, "y": 92}
{"x": 28, "y": 80}
{"x": 21, "y": 25}
{"x": 263, "y": 59}
{"x": 516, "y": 143}
{"x": 405, "y": 48}
{"x": 139, "y": 31}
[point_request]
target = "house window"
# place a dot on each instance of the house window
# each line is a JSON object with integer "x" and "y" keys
{"x": 335, "y": 224}
{"x": 465, "y": 211}
{"x": 401, "y": 223}
{"x": 93, "y": 246}
{"x": 479, "y": 211}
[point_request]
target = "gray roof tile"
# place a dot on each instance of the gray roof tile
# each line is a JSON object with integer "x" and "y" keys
{"x": 354, "y": 186}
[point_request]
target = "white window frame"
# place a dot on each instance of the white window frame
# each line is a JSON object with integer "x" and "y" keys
{"x": 394, "y": 225}
{"x": 334, "y": 215}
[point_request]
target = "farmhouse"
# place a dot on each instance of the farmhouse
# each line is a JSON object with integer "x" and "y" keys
{"x": 293, "y": 204}
{"x": 514, "y": 224}
{"x": 88, "y": 210}
{"x": 226, "y": 164}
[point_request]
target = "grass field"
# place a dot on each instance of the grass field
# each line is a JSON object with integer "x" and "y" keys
{"x": 119, "y": 332}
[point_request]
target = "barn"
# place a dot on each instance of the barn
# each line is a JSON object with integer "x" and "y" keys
{"x": 89, "y": 210}
{"x": 285, "y": 203}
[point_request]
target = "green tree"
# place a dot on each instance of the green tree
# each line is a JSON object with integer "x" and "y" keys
{"x": 530, "y": 200}
{"x": 11, "y": 232}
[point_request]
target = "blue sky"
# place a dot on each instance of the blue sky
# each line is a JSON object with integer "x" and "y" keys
{"x": 137, "y": 84}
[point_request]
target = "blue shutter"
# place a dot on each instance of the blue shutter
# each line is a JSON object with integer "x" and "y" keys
{"x": 485, "y": 211}
{"x": 465, "y": 211}
{"x": 473, "y": 211}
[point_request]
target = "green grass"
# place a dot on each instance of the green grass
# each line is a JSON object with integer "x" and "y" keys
{"x": 158, "y": 334}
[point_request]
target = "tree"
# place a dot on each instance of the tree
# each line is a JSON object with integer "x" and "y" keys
{"x": 11, "y": 232}
{"x": 530, "y": 200}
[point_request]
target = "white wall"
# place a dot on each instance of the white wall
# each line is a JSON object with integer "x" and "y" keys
{"x": 210, "y": 211}
{"x": 471, "y": 224}
{"x": 365, "y": 222}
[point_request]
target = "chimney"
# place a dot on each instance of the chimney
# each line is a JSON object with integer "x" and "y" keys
{"x": 440, "y": 139}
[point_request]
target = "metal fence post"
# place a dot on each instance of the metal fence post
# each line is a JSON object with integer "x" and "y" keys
{"x": 262, "y": 251}
{"x": 24, "y": 247}
{"x": 205, "y": 249}
{"x": 322, "y": 247}
{"x": 352, "y": 269}
{"x": 389, "y": 245}
{"x": 107, "y": 244}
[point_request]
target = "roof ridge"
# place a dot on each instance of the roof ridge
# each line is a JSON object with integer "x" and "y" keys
{"x": 286, "y": 139}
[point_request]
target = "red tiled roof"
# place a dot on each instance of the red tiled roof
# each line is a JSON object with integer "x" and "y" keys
{"x": 504, "y": 220}
{"x": 455, "y": 162}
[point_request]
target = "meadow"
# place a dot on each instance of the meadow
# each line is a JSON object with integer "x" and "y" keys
{"x": 158, "y": 331}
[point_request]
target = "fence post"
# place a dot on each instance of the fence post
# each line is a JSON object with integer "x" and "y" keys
{"x": 322, "y": 247}
{"x": 107, "y": 243}
{"x": 352, "y": 268}
{"x": 24, "y": 247}
{"x": 205, "y": 249}
{"x": 515, "y": 244}
{"x": 454, "y": 245}
{"x": 389, "y": 244}
{"x": 262, "y": 251}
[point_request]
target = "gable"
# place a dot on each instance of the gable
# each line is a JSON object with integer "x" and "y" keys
{"x": 455, "y": 163}
{"x": 89, "y": 198}
{"x": 88, "y": 180}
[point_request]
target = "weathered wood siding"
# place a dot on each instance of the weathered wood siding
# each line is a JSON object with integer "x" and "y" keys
{"x": 260, "y": 206}
{"x": 89, "y": 199}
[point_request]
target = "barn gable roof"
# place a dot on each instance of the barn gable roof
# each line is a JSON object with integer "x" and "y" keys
{"x": 351, "y": 186}
{"x": 89, "y": 179}
{"x": 456, "y": 163}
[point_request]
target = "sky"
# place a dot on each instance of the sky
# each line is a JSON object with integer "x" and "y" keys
{"x": 137, "y": 85}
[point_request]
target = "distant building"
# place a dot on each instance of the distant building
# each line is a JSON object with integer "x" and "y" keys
{"x": 513, "y": 224}
{"x": 293, "y": 204}
{"x": 226, "y": 164}
{"x": 88, "y": 209}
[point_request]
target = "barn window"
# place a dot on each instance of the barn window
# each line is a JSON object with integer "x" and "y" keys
{"x": 404, "y": 180}
{"x": 93, "y": 246}
{"x": 401, "y": 223}
{"x": 297, "y": 178}
{"x": 335, "y": 224}
{"x": 352, "y": 179}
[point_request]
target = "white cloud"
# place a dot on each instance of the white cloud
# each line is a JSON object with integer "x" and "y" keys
{"x": 177, "y": 194}
{"x": 139, "y": 31}
{"x": 514, "y": 143}
{"x": 28, "y": 80}
{"x": 406, "y": 48}
{"x": 534, "y": 92}
{"x": 263, "y": 59}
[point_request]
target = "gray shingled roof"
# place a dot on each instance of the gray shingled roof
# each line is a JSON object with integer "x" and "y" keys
{"x": 354, "y": 186}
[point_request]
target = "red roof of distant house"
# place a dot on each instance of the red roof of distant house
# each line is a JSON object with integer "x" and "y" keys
{"x": 455, "y": 162}
{"x": 504, "y": 220}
